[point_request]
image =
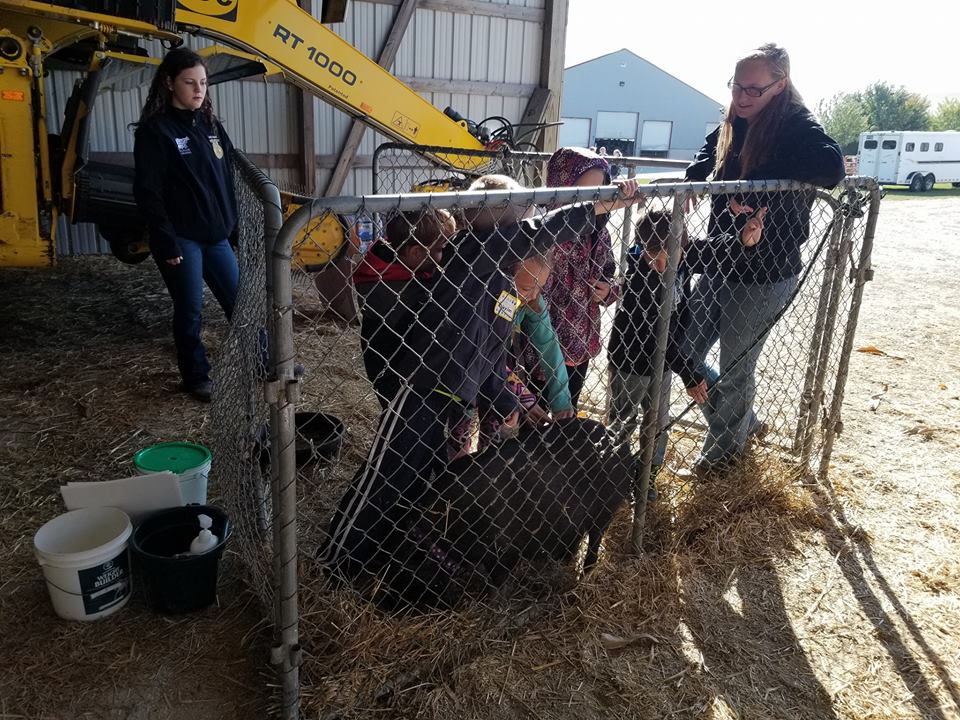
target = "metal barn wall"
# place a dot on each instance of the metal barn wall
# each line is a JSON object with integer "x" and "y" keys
{"x": 491, "y": 49}
{"x": 595, "y": 86}
{"x": 483, "y": 47}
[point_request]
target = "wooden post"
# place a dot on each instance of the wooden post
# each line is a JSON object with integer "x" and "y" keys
{"x": 388, "y": 54}
{"x": 544, "y": 104}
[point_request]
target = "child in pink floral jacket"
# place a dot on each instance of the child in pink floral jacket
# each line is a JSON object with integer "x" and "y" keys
{"x": 583, "y": 272}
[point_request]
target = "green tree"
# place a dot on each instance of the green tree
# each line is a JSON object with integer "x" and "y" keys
{"x": 843, "y": 119}
{"x": 947, "y": 116}
{"x": 894, "y": 108}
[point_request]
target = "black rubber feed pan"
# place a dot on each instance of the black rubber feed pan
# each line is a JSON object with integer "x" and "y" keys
{"x": 319, "y": 437}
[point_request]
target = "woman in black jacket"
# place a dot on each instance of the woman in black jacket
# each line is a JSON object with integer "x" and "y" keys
{"x": 767, "y": 134}
{"x": 184, "y": 190}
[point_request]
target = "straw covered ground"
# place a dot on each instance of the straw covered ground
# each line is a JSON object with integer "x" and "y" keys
{"x": 760, "y": 597}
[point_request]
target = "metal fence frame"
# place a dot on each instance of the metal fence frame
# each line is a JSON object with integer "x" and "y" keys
{"x": 282, "y": 388}
{"x": 281, "y": 394}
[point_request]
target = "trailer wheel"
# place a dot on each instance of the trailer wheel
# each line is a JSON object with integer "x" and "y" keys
{"x": 916, "y": 184}
{"x": 928, "y": 182}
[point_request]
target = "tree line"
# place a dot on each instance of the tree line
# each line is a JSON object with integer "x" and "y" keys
{"x": 882, "y": 106}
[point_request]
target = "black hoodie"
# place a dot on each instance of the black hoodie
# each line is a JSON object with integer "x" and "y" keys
{"x": 184, "y": 180}
{"x": 456, "y": 341}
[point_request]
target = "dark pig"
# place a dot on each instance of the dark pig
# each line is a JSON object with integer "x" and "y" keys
{"x": 528, "y": 499}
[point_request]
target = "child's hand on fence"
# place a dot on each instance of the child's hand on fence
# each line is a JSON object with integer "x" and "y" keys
{"x": 629, "y": 195}
{"x": 698, "y": 393}
{"x": 601, "y": 290}
{"x": 536, "y": 416}
{"x": 753, "y": 231}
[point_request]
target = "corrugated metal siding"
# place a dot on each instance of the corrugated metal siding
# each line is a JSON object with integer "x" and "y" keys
{"x": 438, "y": 45}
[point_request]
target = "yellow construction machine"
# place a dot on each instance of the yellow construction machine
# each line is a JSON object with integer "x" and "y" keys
{"x": 43, "y": 176}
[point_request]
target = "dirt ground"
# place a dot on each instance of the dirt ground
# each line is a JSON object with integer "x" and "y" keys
{"x": 830, "y": 601}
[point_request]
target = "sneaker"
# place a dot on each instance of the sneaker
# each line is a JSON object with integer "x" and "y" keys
{"x": 201, "y": 391}
{"x": 652, "y": 493}
{"x": 700, "y": 470}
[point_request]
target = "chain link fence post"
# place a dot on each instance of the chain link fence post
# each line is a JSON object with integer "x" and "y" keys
{"x": 814, "y": 368}
{"x": 650, "y": 412}
{"x": 860, "y": 275}
{"x": 824, "y": 336}
{"x": 283, "y": 392}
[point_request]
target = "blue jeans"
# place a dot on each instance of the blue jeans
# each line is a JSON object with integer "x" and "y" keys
{"x": 629, "y": 397}
{"x": 216, "y": 265}
{"x": 736, "y": 315}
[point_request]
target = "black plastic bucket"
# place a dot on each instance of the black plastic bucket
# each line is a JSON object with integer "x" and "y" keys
{"x": 319, "y": 437}
{"x": 172, "y": 580}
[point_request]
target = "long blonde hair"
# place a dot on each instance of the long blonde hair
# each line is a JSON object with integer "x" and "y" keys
{"x": 765, "y": 126}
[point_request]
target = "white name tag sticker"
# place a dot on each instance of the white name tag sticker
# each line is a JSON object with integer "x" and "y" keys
{"x": 507, "y": 306}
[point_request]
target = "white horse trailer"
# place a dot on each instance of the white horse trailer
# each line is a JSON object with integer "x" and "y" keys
{"x": 916, "y": 159}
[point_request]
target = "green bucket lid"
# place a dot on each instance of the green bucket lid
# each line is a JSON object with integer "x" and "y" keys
{"x": 177, "y": 457}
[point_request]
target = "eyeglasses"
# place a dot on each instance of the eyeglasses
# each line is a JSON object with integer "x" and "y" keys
{"x": 753, "y": 92}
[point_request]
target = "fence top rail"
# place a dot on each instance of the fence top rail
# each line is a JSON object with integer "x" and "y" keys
{"x": 352, "y": 205}
{"x": 624, "y": 160}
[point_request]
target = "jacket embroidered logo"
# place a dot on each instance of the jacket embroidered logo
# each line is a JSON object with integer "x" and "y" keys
{"x": 183, "y": 145}
{"x": 220, "y": 9}
{"x": 506, "y": 306}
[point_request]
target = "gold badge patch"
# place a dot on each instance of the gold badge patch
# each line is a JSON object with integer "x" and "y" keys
{"x": 217, "y": 147}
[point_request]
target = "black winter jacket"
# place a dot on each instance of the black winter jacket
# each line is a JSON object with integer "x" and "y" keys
{"x": 802, "y": 151}
{"x": 633, "y": 340}
{"x": 184, "y": 180}
{"x": 457, "y": 343}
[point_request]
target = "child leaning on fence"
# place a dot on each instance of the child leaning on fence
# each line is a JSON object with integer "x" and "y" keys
{"x": 453, "y": 354}
{"x": 633, "y": 340}
{"x": 531, "y": 328}
{"x": 582, "y": 277}
{"x": 409, "y": 253}
{"x": 532, "y": 331}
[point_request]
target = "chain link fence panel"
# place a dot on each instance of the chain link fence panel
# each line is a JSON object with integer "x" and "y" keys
{"x": 247, "y": 416}
{"x": 511, "y": 394}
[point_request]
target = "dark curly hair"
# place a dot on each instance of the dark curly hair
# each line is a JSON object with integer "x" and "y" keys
{"x": 159, "y": 98}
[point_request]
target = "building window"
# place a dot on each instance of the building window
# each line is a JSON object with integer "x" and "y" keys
{"x": 909, "y": 147}
{"x": 574, "y": 132}
{"x": 889, "y": 145}
{"x": 656, "y": 136}
{"x": 938, "y": 147}
{"x": 924, "y": 147}
{"x": 869, "y": 144}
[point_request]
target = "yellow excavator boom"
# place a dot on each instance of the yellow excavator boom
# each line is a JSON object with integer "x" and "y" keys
{"x": 282, "y": 36}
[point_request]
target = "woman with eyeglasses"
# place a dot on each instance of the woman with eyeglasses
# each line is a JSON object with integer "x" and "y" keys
{"x": 767, "y": 134}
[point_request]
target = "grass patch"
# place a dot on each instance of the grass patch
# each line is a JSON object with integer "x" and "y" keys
{"x": 940, "y": 190}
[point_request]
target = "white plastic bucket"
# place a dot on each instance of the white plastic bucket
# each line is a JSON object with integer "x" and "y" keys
{"x": 83, "y": 554}
{"x": 190, "y": 462}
